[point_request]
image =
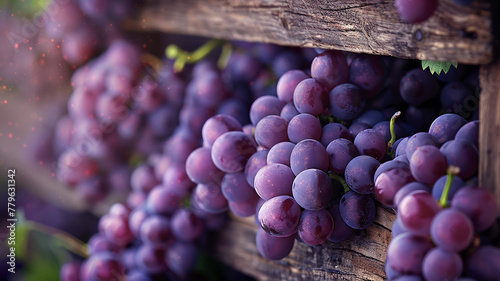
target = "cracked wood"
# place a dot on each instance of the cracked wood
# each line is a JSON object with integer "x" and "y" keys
{"x": 454, "y": 33}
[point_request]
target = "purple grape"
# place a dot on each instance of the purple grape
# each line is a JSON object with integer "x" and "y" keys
{"x": 304, "y": 126}
{"x": 428, "y": 164}
{"x": 454, "y": 96}
{"x": 289, "y": 111}
{"x": 395, "y": 163}
{"x": 279, "y": 216}
{"x": 440, "y": 264}
{"x": 359, "y": 174}
{"x": 136, "y": 218}
{"x": 264, "y": 106}
{"x": 236, "y": 188}
{"x": 288, "y": 82}
{"x": 445, "y": 127}
{"x": 309, "y": 154}
{"x": 398, "y": 228}
{"x": 452, "y": 230}
{"x": 469, "y": 132}
{"x": 180, "y": 145}
{"x": 479, "y": 204}
{"x": 330, "y": 68}
{"x": 370, "y": 142}
{"x": 462, "y": 154}
{"x": 273, "y": 180}
{"x": 401, "y": 147}
{"x": 280, "y": 153}
{"x": 357, "y": 210}
{"x": 333, "y": 131}
{"x": 103, "y": 266}
{"x": 418, "y": 86}
{"x": 186, "y": 226}
{"x": 235, "y": 108}
{"x": 416, "y": 11}
{"x": 418, "y": 140}
{"x": 315, "y": 227}
{"x": 383, "y": 128}
{"x": 272, "y": 247}
{"x": 368, "y": 73}
{"x": 217, "y": 125}
{"x": 231, "y": 151}
{"x": 341, "y": 151}
{"x": 312, "y": 189}
{"x": 407, "y": 189}
{"x": 310, "y": 97}
{"x": 346, "y": 101}
{"x": 244, "y": 208}
{"x": 200, "y": 168}
{"x": 416, "y": 211}
{"x": 156, "y": 230}
{"x": 406, "y": 253}
{"x": 484, "y": 264}
{"x": 389, "y": 183}
{"x": 117, "y": 230}
{"x": 271, "y": 130}
{"x": 371, "y": 117}
{"x": 209, "y": 198}
{"x": 357, "y": 127}
{"x": 181, "y": 257}
{"x": 341, "y": 231}
{"x": 70, "y": 271}
{"x": 151, "y": 258}
{"x": 420, "y": 118}
{"x": 254, "y": 164}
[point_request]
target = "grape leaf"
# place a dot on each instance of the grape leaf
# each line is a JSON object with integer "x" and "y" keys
{"x": 438, "y": 66}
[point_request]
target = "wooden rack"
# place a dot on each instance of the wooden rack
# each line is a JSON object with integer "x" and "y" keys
{"x": 455, "y": 33}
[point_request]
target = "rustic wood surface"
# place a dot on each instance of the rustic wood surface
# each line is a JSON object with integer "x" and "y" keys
{"x": 361, "y": 258}
{"x": 454, "y": 33}
{"x": 489, "y": 129}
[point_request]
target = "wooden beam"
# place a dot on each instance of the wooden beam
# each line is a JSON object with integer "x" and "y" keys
{"x": 360, "y": 258}
{"x": 489, "y": 129}
{"x": 453, "y": 33}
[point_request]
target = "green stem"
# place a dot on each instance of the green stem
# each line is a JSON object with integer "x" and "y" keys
{"x": 182, "y": 57}
{"x": 67, "y": 240}
{"x": 339, "y": 178}
{"x": 227, "y": 50}
{"x": 452, "y": 172}
{"x": 393, "y": 131}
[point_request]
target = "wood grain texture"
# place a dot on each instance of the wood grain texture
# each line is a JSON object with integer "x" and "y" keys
{"x": 454, "y": 33}
{"x": 361, "y": 258}
{"x": 489, "y": 129}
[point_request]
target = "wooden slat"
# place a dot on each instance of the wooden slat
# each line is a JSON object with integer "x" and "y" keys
{"x": 361, "y": 258}
{"x": 489, "y": 129}
{"x": 454, "y": 33}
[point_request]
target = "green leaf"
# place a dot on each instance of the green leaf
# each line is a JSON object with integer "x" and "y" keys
{"x": 438, "y": 66}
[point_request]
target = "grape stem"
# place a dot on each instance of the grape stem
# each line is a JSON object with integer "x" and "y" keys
{"x": 452, "y": 172}
{"x": 334, "y": 176}
{"x": 393, "y": 131}
{"x": 182, "y": 56}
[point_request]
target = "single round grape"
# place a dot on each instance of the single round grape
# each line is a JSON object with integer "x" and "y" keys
{"x": 346, "y": 101}
{"x": 341, "y": 151}
{"x": 271, "y": 130}
{"x": 454, "y": 96}
{"x": 272, "y": 247}
{"x": 264, "y": 106}
{"x": 446, "y": 126}
{"x": 341, "y": 231}
{"x": 244, "y": 208}
{"x": 359, "y": 174}
{"x": 389, "y": 183}
{"x": 479, "y": 204}
{"x": 406, "y": 253}
{"x": 368, "y": 73}
{"x": 315, "y": 226}
{"x": 103, "y": 266}
{"x": 304, "y": 126}
{"x": 288, "y": 82}
{"x": 156, "y": 230}
{"x": 254, "y": 164}
{"x": 333, "y": 131}
{"x": 440, "y": 264}
{"x": 231, "y": 151}
{"x": 209, "y": 198}
{"x": 416, "y": 211}
{"x": 70, "y": 271}
{"x": 310, "y": 97}
{"x": 217, "y": 125}
{"x": 370, "y": 142}
{"x": 236, "y": 188}
{"x": 357, "y": 127}
{"x": 273, "y": 180}
{"x": 418, "y": 86}
{"x": 416, "y": 141}
{"x": 357, "y": 210}
{"x": 452, "y": 230}
{"x": 279, "y": 216}
{"x": 309, "y": 154}
{"x": 462, "y": 154}
{"x": 407, "y": 189}
{"x": 428, "y": 164}
{"x": 289, "y": 111}
{"x": 395, "y": 163}
{"x": 398, "y": 228}
{"x": 181, "y": 257}
{"x": 330, "y": 68}
{"x": 484, "y": 264}
{"x": 416, "y": 11}
{"x": 200, "y": 168}
{"x": 469, "y": 132}
{"x": 186, "y": 226}
{"x": 312, "y": 189}
{"x": 151, "y": 258}
{"x": 280, "y": 153}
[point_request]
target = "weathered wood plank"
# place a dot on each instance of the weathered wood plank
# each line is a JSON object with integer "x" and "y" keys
{"x": 454, "y": 33}
{"x": 489, "y": 128}
{"x": 361, "y": 258}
